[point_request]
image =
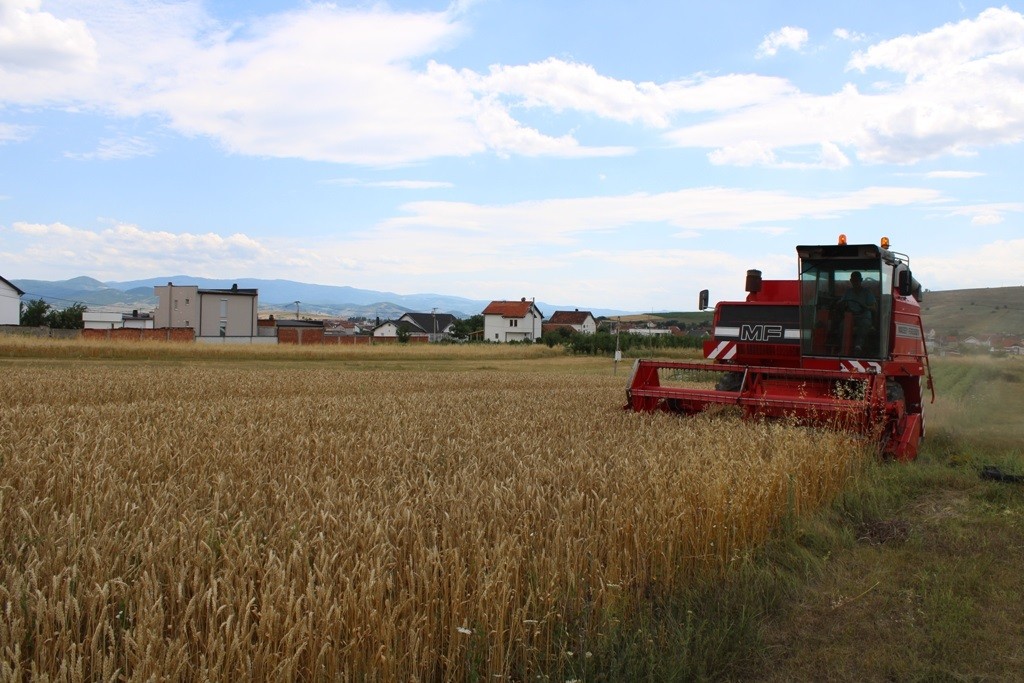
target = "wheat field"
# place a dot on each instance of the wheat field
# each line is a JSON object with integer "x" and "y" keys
{"x": 229, "y": 521}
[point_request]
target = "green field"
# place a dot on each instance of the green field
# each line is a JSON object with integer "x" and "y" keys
{"x": 916, "y": 574}
{"x": 978, "y": 312}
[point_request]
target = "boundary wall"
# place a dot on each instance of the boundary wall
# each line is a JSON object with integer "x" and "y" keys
{"x": 172, "y": 334}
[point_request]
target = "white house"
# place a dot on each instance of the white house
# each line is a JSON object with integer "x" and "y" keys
{"x": 10, "y": 303}
{"x": 580, "y": 321}
{"x": 506, "y": 321}
{"x": 99, "y": 320}
{"x": 340, "y": 328}
{"x": 215, "y": 314}
{"x": 392, "y": 328}
{"x": 436, "y": 326}
{"x": 136, "y": 320}
{"x": 388, "y": 328}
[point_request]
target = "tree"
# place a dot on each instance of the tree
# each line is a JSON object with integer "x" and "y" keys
{"x": 35, "y": 313}
{"x": 69, "y": 318}
{"x": 560, "y": 336}
{"x": 461, "y": 329}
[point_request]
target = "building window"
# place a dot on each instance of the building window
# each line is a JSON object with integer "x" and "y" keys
{"x": 223, "y": 308}
{"x": 175, "y": 304}
{"x": 186, "y": 301}
{"x": 495, "y": 335}
{"x": 513, "y": 323}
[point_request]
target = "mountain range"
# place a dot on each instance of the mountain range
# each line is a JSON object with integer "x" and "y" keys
{"x": 274, "y": 295}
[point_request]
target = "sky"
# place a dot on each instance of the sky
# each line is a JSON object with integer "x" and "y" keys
{"x": 599, "y": 153}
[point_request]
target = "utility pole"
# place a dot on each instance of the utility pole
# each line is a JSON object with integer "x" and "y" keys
{"x": 297, "y": 309}
{"x": 433, "y": 317}
{"x": 618, "y": 353}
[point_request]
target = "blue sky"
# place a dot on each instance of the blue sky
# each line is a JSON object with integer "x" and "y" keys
{"x": 606, "y": 154}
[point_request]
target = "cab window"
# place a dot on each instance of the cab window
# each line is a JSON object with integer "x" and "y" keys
{"x": 841, "y": 303}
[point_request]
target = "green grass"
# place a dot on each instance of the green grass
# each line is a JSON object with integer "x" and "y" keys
{"x": 918, "y": 568}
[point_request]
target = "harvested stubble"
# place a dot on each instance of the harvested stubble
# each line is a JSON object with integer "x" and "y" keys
{"x": 245, "y": 523}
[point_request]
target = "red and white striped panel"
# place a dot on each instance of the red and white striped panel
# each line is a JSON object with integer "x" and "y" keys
{"x": 724, "y": 351}
{"x": 860, "y": 366}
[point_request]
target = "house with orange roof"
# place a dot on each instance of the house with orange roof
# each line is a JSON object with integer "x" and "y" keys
{"x": 508, "y": 321}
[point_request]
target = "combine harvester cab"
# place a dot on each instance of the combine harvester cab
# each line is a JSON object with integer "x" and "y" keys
{"x": 841, "y": 346}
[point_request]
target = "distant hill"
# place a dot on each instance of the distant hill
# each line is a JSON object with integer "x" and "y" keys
{"x": 964, "y": 312}
{"x": 83, "y": 289}
{"x": 274, "y": 295}
{"x": 328, "y": 299}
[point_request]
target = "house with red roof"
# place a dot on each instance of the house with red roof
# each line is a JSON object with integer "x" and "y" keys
{"x": 577, "y": 320}
{"x": 507, "y": 321}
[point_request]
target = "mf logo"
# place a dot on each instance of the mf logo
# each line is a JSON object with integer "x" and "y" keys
{"x": 760, "y": 333}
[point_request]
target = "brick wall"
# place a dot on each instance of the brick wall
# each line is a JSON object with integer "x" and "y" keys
{"x": 347, "y": 339}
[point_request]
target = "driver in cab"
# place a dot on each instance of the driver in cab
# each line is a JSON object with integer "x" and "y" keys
{"x": 862, "y": 305}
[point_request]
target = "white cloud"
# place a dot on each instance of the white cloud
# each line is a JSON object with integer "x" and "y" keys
{"x": 789, "y": 37}
{"x": 12, "y": 133}
{"x": 987, "y": 214}
{"x": 506, "y": 136}
{"x": 962, "y": 91}
{"x": 850, "y": 36}
{"x": 363, "y": 86}
{"x": 344, "y": 85}
{"x": 994, "y": 264}
{"x": 318, "y": 83}
{"x": 118, "y": 148}
{"x": 747, "y": 153}
{"x": 560, "y": 221}
{"x": 753, "y": 153}
{"x": 560, "y": 86}
{"x": 103, "y": 251}
{"x": 33, "y": 40}
{"x": 951, "y": 47}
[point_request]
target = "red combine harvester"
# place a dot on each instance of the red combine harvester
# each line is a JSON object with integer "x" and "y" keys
{"x": 842, "y": 346}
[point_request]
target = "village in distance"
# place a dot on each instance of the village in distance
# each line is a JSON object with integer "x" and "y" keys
{"x": 253, "y": 310}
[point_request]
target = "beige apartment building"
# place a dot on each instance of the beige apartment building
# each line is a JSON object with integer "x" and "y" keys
{"x": 212, "y": 313}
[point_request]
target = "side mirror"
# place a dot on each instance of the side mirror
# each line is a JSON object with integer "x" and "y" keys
{"x": 905, "y": 283}
{"x": 702, "y": 300}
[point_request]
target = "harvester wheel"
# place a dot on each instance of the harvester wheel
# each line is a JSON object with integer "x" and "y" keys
{"x": 890, "y": 439}
{"x": 894, "y": 391}
{"x": 730, "y": 381}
